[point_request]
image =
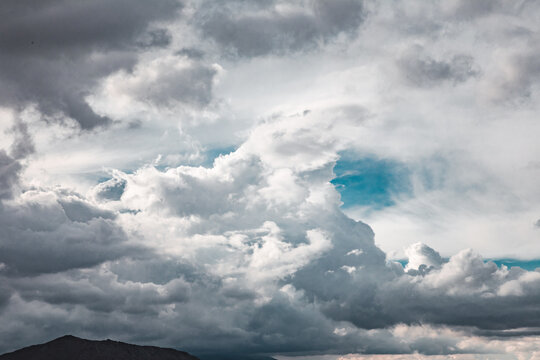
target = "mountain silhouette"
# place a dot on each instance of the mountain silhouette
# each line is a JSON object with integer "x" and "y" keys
{"x": 73, "y": 348}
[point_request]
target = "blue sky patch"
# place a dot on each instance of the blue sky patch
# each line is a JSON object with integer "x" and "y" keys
{"x": 529, "y": 265}
{"x": 212, "y": 154}
{"x": 369, "y": 181}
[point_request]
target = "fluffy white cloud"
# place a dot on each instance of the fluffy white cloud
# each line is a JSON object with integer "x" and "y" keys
{"x": 213, "y": 248}
{"x": 420, "y": 254}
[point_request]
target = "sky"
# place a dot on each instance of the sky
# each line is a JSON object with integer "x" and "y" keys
{"x": 310, "y": 179}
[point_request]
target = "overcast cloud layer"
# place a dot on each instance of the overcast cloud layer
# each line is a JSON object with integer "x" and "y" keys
{"x": 168, "y": 176}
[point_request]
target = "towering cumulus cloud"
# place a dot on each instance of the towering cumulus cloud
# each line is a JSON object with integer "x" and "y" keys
{"x": 168, "y": 176}
{"x": 251, "y": 255}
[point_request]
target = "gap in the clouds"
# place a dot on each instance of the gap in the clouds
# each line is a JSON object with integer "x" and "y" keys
{"x": 529, "y": 265}
{"x": 370, "y": 182}
{"x": 212, "y": 154}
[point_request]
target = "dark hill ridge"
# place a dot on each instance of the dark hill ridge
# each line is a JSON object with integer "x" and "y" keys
{"x": 73, "y": 348}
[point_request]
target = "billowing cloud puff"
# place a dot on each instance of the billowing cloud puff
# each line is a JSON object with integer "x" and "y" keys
{"x": 420, "y": 254}
{"x": 164, "y": 82}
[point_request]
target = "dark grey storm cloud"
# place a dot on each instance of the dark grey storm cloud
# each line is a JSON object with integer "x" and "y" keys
{"x": 50, "y": 232}
{"x": 422, "y": 70}
{"x": 52, "y": 52}
{"x": 101, "y": 293}
{"x": 259, "y": 29}
{"x": 370, "y": 295}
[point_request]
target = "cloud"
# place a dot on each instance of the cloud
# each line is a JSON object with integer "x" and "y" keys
{"x": 165, "y": 81}
{"x": 250, "y": 31}
{"x": 466, "y": 10}
{"x": 230, "y": 269}
{"x": 47, "y": 232}
{"x": 516, "y": 78}
{"x": 110, "y": 190}
{"x": 101, "y": 292}
{"x": 421, "y": 70}
{"x": 467, "y": 291}
{"x": 10, "y": 165}
{"x": 53, "y": 53}
{"x": 9, "y": 174}
{"x": 420, "y": 254}
{"x": 253, "y": 253}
